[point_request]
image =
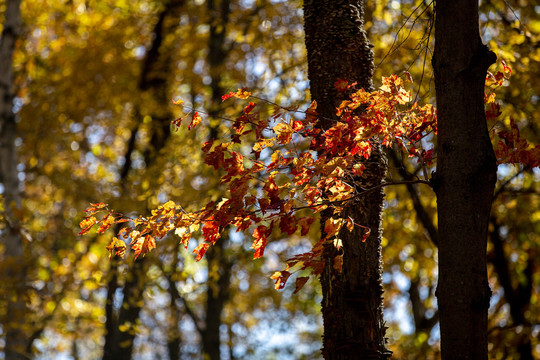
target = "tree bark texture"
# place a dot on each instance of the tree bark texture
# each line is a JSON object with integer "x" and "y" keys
{"x": 337, "y": 48}
{"x": 14, "y": 321}
{"x": 465, "y": 179}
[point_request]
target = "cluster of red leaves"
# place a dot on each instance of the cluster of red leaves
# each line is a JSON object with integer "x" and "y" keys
{"x": 513, "y": 149}
{"x": 509, "y": 146}
{"x": 270, "y": 193}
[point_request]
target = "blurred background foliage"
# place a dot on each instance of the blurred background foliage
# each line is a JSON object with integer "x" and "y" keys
{"x": 95, "y": 82}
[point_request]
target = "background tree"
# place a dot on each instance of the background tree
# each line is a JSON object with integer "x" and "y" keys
{"x": 13, "y": 262}
{"x": 465, "y": 179}
{"x": 352, "y": 296}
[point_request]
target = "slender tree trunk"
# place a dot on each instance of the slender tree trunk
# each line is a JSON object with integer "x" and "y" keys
{"x": 154, "y": 80}
{"x": 337, "y": 48}
{"x": 518, "y": 297}
{"x": 217, "y": 294}
{"x": 219, "y": 269}
{"x": 13, "y": 258}
{"x": 174, "y": 335}
{"x": 465, "y": 179}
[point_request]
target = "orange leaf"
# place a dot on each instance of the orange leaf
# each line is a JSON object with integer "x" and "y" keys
{"x": 332, "y": 226}
{"x": 177, "y": 102}
{"x": 107, "y": 221}
{"x": 280, "y": 278}
{"x": 95, "y": 207}
{"x": 338, "y": 263}
{"x": 240, "y": 94}
{"x": 200, "y": 250}
{"x": 283, "y": 132}
{"x": 87, "y": 224}
{"x": 143, "y": 245}
{"x": 358, "y": 169}
{"x": 116, "y": 247}
{"x": 196, "y": 120}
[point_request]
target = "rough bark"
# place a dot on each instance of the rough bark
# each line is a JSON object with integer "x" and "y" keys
{"x": 13, "y": 323}
{"x": 465, "y": 179}
{"x": 337, "y": 48}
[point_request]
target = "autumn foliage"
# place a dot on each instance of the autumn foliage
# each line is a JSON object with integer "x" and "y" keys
{"x": 296, "y": 169}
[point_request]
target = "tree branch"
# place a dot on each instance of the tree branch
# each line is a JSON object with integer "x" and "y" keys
{"x": 421, "y": 212}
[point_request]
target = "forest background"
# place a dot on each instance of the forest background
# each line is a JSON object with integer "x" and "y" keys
{"x": 95, "y": 82}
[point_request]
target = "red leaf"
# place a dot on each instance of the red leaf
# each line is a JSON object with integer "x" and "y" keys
{"x": 305, "y": 224}
{"x": 260, "y": 234}
{"x": 514, "y": 149}
{"x": 506, "y": 68}
{"x": 249, "y": 107}
{"x": 227, "y": 96}
{"x": 284, "y": 133}
{"x": 341, "y": 85}
{"x": 207, "y": 146}
{"x": 300, "y": 282}
{"x": 366, "y": 234}
{"x": 234, "y": 165}
{"x": 216, "y": 157}
{"x": 210, "y": 231}
{"x": 177, "y": 122}
{"x": 240, "y": 94}
{"x": 288, "y": 224}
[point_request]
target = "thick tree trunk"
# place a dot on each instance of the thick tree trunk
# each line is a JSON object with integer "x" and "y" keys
{"x": 13, "y": 323}
{"x": 337, "y": 48}
{"x": 465, "y": 179}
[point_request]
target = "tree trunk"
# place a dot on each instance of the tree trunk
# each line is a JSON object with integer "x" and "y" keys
{"x": 155, "y": 75}
{"x": 518, "y": 297}
{"x": 14, "y": 276}
{"x": 219, "y": 269}
{"x": 217, "y": 294}
{"x": 337, "y": 48}
{"x": 465, "y": 179}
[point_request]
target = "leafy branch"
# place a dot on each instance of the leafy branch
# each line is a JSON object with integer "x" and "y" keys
{"x": 272, "y": 191}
